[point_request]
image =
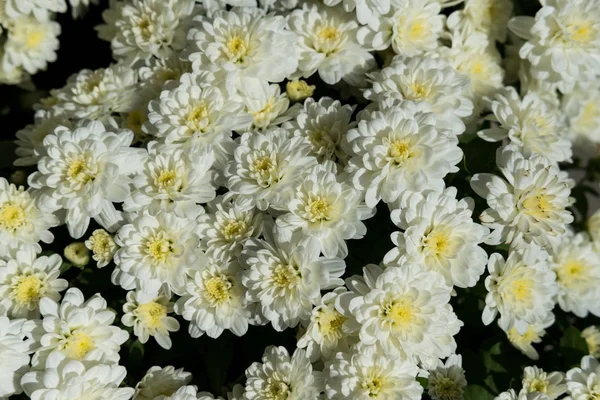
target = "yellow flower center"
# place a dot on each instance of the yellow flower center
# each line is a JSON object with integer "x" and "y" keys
{"x": 34, "y": 38}
{"x": 329, "y": 33}
{"x": 218, "y": 289}
{"x": 373, "y": 386}
{"x": 278, "y": 390}
{"x": 12, "y": 216}
{"x": 101, "y": 242}
{"x": 159, "y": 247}
{"x": 197, "y": 118}
{"x": 152, "y": 314}
{"x": 438, "y": 243}
{"x": 319, "y": 209}
{"x": 538, "y": 385}
{"x": 418, "y": 30}
{"x": 521, "y": 289}
{"x": 285, "y": 276}
{"x": 446, "y": 389}
{"x": 582, "y": 32}
{"x": 401, "y": 313}
{"x": 233, "y": 229}
{"x": 28, "y": 290}
{"x": 330, "y": 323}
{"x": 570, "y": 272}
{"x": 399, "y": 151}
{"x": 263, "y": 164}
{"x": 78, "y": 345}
{"x": 166, "y": 178}
{"x": 416, "y": 91}
{"x": 79, "y": 171}
{"x": 538, "y": 205}
{"x": 328, "y": 40}
{"x": 236, "y": 48}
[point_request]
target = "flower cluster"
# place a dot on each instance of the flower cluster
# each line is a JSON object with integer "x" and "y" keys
{"x": 213, "y": 170}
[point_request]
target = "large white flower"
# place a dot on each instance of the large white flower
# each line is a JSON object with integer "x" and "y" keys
{"x": 214, "y": 300}
{"x": 156, "y": 249}
{"x": 521, "y": 289}
{"x": 244, "y": 43}
{"x": 286, "y": 278}
{"x": 563, "y": 41}
{"x": 328, "y": 45}
{"x": 550, "y": 383}
{"x": 15, "y": 349}
{"x": 25, "y": 279}
{"x": 266, "y": 165}
{"x": 72, "y": 380}
{"x": 280, "y": 376}
{"x": 533, "y": 334}
{"x": 583, "y": 382}
{"x": 405, "y": 312}
{"x": 530, "y": 204}
{"x": 76, "y": 329}
{"x": 84, "y": 171}
{"x": 24, "y": 219}
{"x": 173, "y": 181}
{"x": 326, "y": 210}
{"x": 325, "y": 124}
{"x": 399, "y": 148}
{"x": 447, "y": 381}
{"x": 365, "y": 373}
{"x": 161, "y": 382}
{"x": 439, "y": 234}
{"x": 428, "y": 79}
{"x": 531, "y": 124}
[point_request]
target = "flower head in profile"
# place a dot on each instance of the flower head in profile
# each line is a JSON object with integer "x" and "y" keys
{"x": 161, "y": 382}
{"x": 447, "y": 381}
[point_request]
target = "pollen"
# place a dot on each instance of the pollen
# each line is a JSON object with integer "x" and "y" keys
{"x": 152, "y": 314}
{"x": 373, "y": 386}
{"x": 28, "y": 290}
{"x": 400, "y": 313}
{"x": 79, "y": 171}
{"x": 538, "y": 205}
{"x": 319, "y": 209}
{"x": 233, "y": 229}
{"x": 330, "y": 323}
{"x": 78, "y": 345}
{"x": 12, "y": 216}
{"x": 285, "y": 276}
{"x": 197, "y": 118}
{"x": 166, "y": 178}
{"x": 159, "y": 247}
{"x": 218, "y": 289}
{"x": 263, "y": 164}
{"x": 399, "y": 151}
{"x": 236, "y": 48}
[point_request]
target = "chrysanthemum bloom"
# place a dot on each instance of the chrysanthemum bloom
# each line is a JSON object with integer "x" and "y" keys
{"x": 266, "y": 105}
{"x": 15, "y": 349}
{"x": 161, "y": 382}
{"x": 280, "y": 375}
{"x": 327, "y": 44}
{"x": 103, "y": 247}
{"x": 406, "y": 313}
{"x": 367, "y": 373}
{"x": 367, "y": 11}
{"x": 521, "y": 288}
{"x": 447, "y": 381}
{"x": 533, "y": 334}
{"x": 489, "y": 17}
{"x": 581, "y": 106}
{"x": 76, "y": 329}
{"x": 531, "y": 124}
{"x": 552, "y": 384}
{"x": 583, "y": 382}
{"x": 84, "y": 171}
{"x": 591, "y": 334}
{"x": 397, "y": 149}
{"x": 530, "y": 204}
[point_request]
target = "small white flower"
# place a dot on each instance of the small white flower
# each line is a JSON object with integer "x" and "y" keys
{"x": 76, "y": 329}
{"x": 161, "y": 382}
{"x": 489, "y": 17}
{"x": 103, "y": 247}
{"x": 214, "y": 300}
{"x": 591, "y": 334}
{"x": 286, "y": 278}
{"x": 280, "y": 376}
{"x": 583, "y": 382}
{"x": 161, "y": 72}
{"x": 447, "y": 381}
{"x": 148, "y": 314}
{"x": 328, "y": 45}
{"x": 265, "y": 103}
{"x": 582, "y": 109}
{"x": 530, "y": 204}
{"x": 439, "y": 234}
{"x": 533, "y": 334}
{"x": 552, "y": 384}
{"x": 366, "y": 373}
{"x": 521, "y": 289}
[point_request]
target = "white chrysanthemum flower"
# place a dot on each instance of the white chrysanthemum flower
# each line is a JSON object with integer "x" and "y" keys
{"x": 148, "y": 313}
{"x": 326, "y": 211}
{"x": 25, "y": 279}
{"x": 427, "y": 79}
{"x": 328, "y": 45}
{"x": 398, "y": 149}
{"x": 563, "y": 41}
{"x": 159, "y": 382}
{"x": 447, "y": 381}
{"x": 103, "y": 247}
{"x": 72, "y": 380}
{"x": 266, "y": 105}
{"x": 156, "y": 249}
{"x": 76, "y": 329}
{"x": 84, "y": 171}
{"x": 367, "y": 373}
{"x": 533, "y": 334}
{"x": 591, "y": 334}
{"x": 173, "y": 181}
{"x": 407, "y": 314}
{"x": 149, "y": 28}
{"x": 280, "y": 376}
{"x": 31, "y": 44}
{"x": 486, "y": 16}
{"x": 96, "y": 94}
{"x": 521, "y": 289}
{"x": 583, "y": 382}
{"x": 324, "y": 124}
{"x": 299, "y": 89}
{"x": 286, "y": 278}
{"x": 552, "y": 384}
{"x": 581, "y": 107}
{"x": 530, "y": 204}
{"x": 42, "y": 10}
{"x": 25, "y": 220}
{"x": 244, "y": 43}
{"x": 15, "y": 348}
{"x": 332, "y": 328}
{"x": 161, "y": 72}
{"x": 214, "y": 300}
{"x": 577, "y": 266}
{"x": 30, "y": 140}
{"x": 266, "y": 165}
{"x": 531, "y": 124}
{"x": 228, "y": 223}
{"x": 412, "y": 28}
{"x": 440, "y": 235}
{"x": 367, "y": 11}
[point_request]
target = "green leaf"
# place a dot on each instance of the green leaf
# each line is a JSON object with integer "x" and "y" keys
{"x": 423, "y": 381}
{"x": 476, "y": 392}
{"x": 573, "y": 346}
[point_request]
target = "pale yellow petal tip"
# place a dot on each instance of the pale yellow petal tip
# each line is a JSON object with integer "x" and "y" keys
{"x": 77, "y": 254}
{"x": 299, "y": 90}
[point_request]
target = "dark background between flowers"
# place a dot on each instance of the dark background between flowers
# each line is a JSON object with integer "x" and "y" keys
{"x": 492, "y": 365}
